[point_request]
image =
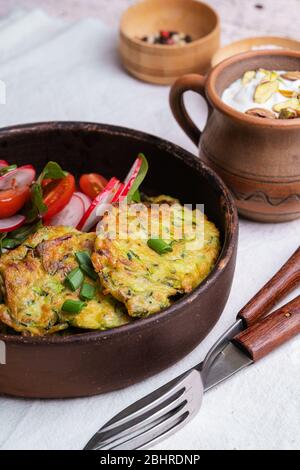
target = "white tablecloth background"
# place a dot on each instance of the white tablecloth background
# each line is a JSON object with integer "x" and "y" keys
{"x": 59, "y": 71}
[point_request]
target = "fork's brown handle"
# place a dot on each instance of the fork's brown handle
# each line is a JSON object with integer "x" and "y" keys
{"x": 269, "y": 333}
{"x": 284, "y": 281}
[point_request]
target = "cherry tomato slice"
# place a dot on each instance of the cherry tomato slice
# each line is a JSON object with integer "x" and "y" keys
{"x": 92, "y": 184}
{"x": 57, "y": 194}
{"x": 12, "y": 200}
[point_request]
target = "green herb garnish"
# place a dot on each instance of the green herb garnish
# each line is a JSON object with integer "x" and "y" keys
{"x": 10, "y": 243}
{"x": 133, "y": 194}
{"x": 6, "y": 169}
{"x": 38, "y": 207}
{"x": 85, "y": 263}
{"x": 16, "y": 237}
{"x": 52, "y": 170}
{"x": 136, "y": 197}
{"x": 74, "y": 279}
{"x": 87, "y": 291}
{"x": 160, "y": 246}
{"x": 73, "y": 306}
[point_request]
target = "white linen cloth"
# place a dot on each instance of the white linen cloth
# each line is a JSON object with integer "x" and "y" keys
{"x": 59, "y": 71}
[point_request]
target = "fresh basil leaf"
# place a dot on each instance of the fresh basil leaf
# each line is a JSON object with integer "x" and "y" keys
{"x": 16, "y": 237}
{"x": 22, "y": 233}
{"x": 136, "y": 197}
{"x": 10, "y": 243}
{"x": 139, "y": 179}
{"x": 52, "y": 170}
{"x": 2, "y": 238}
{"x": 38, "y": 206}
{"x": 6, "y": 169}
{"x": 37, "y": 198}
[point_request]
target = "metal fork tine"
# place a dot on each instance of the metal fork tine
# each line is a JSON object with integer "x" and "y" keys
{"x": 116, "y": 438}
{"x": 147, "y": 421}
{"x": 149, "y": 402}
{"x": 149, "y": 413}
{"x": 143, "y": 438}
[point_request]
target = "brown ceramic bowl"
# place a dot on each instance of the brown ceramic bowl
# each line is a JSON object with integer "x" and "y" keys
{"x": 258, "y": 159}
{"x": 162, "y": 64}
{"x": 90, "y": 363}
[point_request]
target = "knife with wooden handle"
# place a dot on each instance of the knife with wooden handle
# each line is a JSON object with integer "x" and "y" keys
{"x": 281, "y": 284}
{"x": 254, "y": 343}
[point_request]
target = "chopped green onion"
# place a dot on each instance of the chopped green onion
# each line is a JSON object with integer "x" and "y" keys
{"x": 83, "y": 257}
{"x": 74, "y": 279}
{"x": 6, "y": 169}
{"x": 85, "y": 263}
{"x": 89, "y": 271}
{"x": 159, "y": 245}
{"x": 87, "y": 291}
{"x": 73, "y": 306}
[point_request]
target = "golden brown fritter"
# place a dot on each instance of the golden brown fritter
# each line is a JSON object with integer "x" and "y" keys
{"x": 33, "y": 285}
{"x": 137, "y": 275}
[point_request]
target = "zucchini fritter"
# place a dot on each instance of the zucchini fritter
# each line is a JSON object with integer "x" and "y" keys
{"x": 138, "y": 276}
{"x": 33, "y": 285}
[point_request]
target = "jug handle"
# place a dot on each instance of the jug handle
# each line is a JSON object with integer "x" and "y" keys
{"x": 190, "y": 82}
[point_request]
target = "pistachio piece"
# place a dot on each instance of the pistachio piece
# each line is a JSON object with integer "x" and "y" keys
{"x": 261, "y": 112}
{"x": 288, "y": 113}
{"x": 288, "y": 93}
{"x": 248, "y": 76}
{"x": 292, "y": 76}
{"x": 292, "y": 103}
{"x": 270, "y": 75}
{"x": 264, "y": 91}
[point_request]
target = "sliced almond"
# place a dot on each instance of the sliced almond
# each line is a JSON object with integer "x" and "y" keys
{"x": 264, "y": 91}
{"x": 288, "y": 93}
{"x": 262, "y": 113}
{"x": 292, "y": 103}
{"x": 288, "y": 113}
{"x": 248, "y": 76}
{"x": 292, "y": 76}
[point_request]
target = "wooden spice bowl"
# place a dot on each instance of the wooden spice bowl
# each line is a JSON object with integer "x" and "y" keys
{"x": 162, "y": 64}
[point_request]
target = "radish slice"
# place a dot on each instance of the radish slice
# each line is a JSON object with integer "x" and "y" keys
{"x": 3, "y": 164}
{"x": 11, "y": 223}
{"x": 99, "y": 205}
{"x": 119, "y": 193}
{"x": 85, "y": 199}
{"x": 70, "y": 215}
{"x": 22, "y": 176}
{"x": 130, "y": 178}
